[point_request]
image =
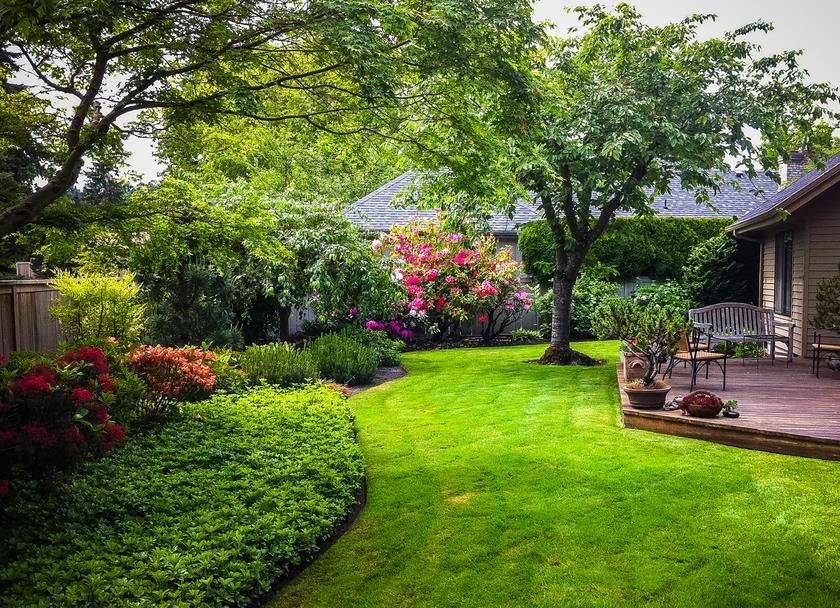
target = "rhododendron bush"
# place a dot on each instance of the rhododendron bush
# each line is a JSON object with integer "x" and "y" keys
{"x": 53, "y": 415}
{"x": 448, "y": 278}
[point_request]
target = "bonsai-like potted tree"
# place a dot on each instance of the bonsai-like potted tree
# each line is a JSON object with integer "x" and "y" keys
{"x": 649, "y": 332}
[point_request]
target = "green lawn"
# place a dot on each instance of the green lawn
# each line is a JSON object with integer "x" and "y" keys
{"x": 493, "y": 482}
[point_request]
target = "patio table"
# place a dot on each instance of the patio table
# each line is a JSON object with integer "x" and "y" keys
{"x": 733, "y": 339}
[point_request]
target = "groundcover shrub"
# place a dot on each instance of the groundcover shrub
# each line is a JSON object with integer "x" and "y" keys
{"x": 343, "y": 359}
{"x": 279, "y": 363}
{"x": 387, "y": 350}
{"x": 208, "y": 510}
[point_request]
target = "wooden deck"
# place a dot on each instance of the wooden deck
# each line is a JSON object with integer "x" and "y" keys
{"x": 783, "y": 410}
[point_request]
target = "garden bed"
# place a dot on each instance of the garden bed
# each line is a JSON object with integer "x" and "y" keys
{"x": 469, "y": 342}
{"x": 211, "y": 508}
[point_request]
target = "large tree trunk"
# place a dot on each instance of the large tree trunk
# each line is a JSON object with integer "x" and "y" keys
{"x": 559, "y": 351}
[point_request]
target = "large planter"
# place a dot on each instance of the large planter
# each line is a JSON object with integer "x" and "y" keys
{"x": 634, "y": 366}
{"x": 647, "y": 398}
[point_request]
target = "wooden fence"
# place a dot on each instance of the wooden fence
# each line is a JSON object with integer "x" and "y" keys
{"x": 25, "y": 322}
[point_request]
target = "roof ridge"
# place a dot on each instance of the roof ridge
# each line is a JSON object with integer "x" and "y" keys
{"x": 385, "y": 186}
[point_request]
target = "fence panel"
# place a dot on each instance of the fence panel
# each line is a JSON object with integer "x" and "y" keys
{"x": 25, "y": 322}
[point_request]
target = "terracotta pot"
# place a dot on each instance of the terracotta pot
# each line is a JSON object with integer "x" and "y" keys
{"x": 711, "y": 406}
{"x": 647, "y": 398}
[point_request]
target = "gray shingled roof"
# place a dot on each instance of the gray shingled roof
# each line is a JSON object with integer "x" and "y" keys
{"x": 778, "y": 200}
{"x": 376, "y": 212}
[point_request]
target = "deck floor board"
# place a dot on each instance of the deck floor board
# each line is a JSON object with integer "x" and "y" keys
{"x": 783, "y": 409}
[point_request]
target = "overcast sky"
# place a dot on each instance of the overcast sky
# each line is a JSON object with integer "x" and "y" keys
{"x": 810, "y": 25}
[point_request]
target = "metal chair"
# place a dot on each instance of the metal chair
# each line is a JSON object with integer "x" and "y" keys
{"x": 692, "y": 353}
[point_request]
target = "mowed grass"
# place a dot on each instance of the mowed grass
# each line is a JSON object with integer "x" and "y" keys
{"x": 494, "y": 482}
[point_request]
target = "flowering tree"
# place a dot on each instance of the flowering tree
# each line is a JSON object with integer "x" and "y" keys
{"x": 611, "y": 116}
{"x": 448, "y": 278}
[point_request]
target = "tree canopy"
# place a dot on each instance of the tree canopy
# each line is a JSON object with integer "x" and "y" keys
{"x": 79, "y": 76}
{"x": 614, "y": 111}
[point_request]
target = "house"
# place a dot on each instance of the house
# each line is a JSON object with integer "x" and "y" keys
{"x": 798, "y": 229}
{"x": 379, "y": 211}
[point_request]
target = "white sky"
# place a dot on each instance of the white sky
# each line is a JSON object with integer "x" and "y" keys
{"x": 810, "y": 25}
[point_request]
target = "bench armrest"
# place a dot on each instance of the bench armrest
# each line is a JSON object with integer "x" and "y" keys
{"x": 786, "y": 324}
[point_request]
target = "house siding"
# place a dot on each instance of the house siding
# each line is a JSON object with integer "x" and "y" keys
{"x": 768, "y": 281}
{"x": 816, "y": 255}
{"x": 823, "y": 255}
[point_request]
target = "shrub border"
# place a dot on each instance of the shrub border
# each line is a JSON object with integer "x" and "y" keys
{"x": 346, "y": 522}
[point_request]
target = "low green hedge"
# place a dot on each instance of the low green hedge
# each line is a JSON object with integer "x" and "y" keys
{"x": 656, "y": 247}
{"x": 208, "y": 510}
{"x": 278, "y": 363}
{"x": 343, "y": 359}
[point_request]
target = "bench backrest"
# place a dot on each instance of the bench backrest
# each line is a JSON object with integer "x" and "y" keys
{"x": 734, "y": 318}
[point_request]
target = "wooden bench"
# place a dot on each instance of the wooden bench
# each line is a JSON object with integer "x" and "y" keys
{"x": 753, "y": 322}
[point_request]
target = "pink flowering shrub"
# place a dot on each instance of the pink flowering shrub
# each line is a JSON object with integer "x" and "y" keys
{"x": 448, "y": 278}
{"x": 54, "y": 415}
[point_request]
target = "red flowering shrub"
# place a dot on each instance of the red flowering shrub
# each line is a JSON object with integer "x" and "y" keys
{"x": 30, "y": 384}
{"x": 52, "y": 416}
{"x": 86, "y": 355}
{"x": 183, "y": 374}
{"x": 448, "y": 277}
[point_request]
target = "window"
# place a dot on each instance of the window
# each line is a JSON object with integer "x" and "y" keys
{"x": 784, "y": 272}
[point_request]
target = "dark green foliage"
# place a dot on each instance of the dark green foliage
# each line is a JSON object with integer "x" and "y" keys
{"x": 656, "y": 247}
{"x": 828, "y": 304}
{"x": 349, "y": 62}
{"x": 652, "y": 247}
{"x": 715, "y": 271}
{"x": 387, "y": 351}
{"x": 279, "y": 363}
{"x": 208, "y": 511}
{"x": 537, "y": 246}
{"x": 651, "y": 332}
{"x": 343, "y": 359}
{"x": 592, "y": 287}
{"x": 21, "y": 361}
{"x": 669, "y": 294}
{"x": 190, "y": 306}
{"x": 542, "y": 306}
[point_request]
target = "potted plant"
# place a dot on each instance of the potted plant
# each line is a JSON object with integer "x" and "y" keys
{"x": 650, "y": 333}
{"x": 730, "y": 409}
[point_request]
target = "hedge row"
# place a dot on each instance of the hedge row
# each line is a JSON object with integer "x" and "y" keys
{"x": 208, "y": 510}
{"x": 656, "y": 247}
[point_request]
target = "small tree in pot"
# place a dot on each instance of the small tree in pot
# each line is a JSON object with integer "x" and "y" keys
{"x": 651, "y": 333}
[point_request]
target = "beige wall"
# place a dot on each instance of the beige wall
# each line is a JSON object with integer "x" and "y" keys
{"x": 823, "y": 253}
{"x": 816, "y": 255}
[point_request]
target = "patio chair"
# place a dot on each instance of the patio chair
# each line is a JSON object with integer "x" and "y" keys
{"x": 818, "y": 349}
{"x": 695, "y": 354}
